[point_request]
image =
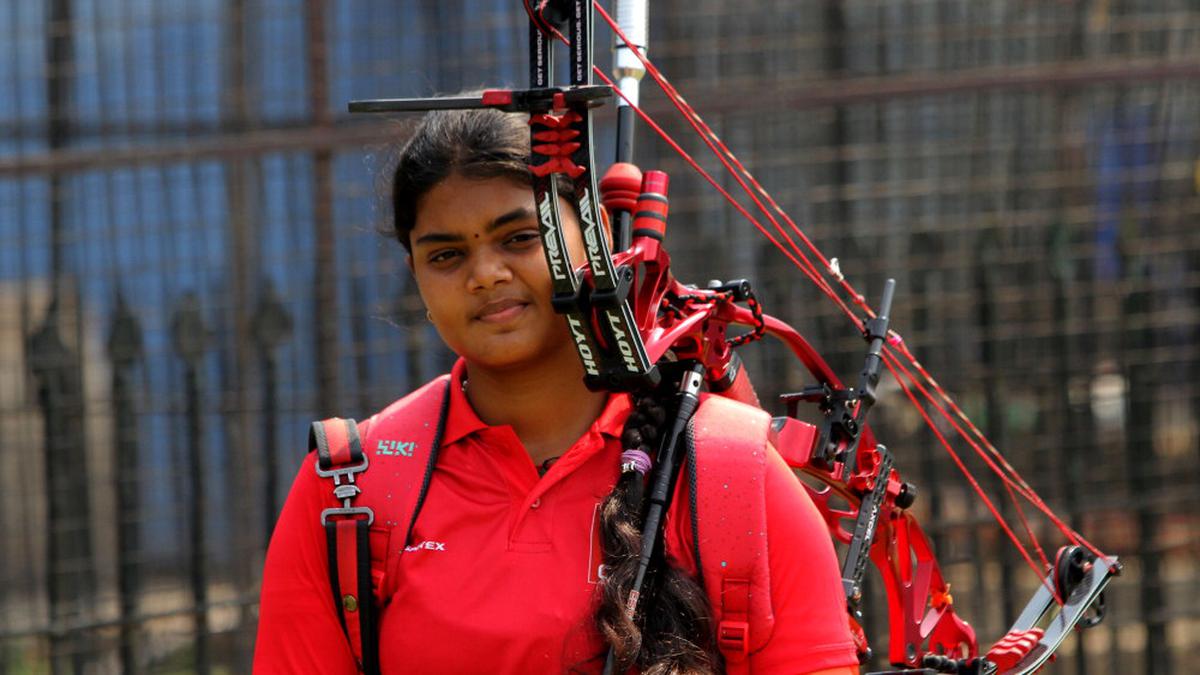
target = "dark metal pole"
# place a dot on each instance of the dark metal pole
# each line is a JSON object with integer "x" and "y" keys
{"x": 60, "y": 58}
{"x": 994, "y": 401}
{"x": 1138, "y": 339}
{"x": 125, "y": 351}
{"x": 927, "y": 450}
{"x": 1070, "y": 430}
{"x": 272, "y": 325}
{"x": 191, "y": 338}
{"x": 70, "y": 562}
{"x": 836, "y": 45}
{"x": 324, "y": 282}
{"x": 243, "y": 185}
{"x": 362, "y": 354}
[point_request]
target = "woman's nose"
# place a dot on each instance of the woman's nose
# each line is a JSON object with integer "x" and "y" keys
{"x": 488, "y": 269}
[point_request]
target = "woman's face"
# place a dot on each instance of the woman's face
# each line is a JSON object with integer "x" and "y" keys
{"x": 477, "y": 258}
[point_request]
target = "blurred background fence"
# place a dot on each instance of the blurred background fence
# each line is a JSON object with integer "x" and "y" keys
{"x": 189, "y": 273}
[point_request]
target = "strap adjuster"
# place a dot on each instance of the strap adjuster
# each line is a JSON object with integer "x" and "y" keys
{"x": 338, "y": 471}
{"x": 733, "y": 638}
{"x": 345, "y": 492}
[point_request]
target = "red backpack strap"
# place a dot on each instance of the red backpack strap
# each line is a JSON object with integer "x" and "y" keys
{"x": 730, "y": 511}
{"x": 404, "y": 439}
{"x": 340, "y": 457}
{"x": 731, "y": 518}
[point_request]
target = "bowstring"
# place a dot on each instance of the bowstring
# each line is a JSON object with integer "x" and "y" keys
{"x": 895, "y": 364}
{"x": 891, "y": 363}
{"x": 719, "y": 148}
{"x": 796, "y": 256}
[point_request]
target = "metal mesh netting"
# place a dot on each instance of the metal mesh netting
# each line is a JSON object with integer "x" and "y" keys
{"x": 190, "y": 273}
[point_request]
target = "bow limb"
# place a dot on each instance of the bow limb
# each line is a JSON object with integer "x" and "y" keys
{"x": 1051, "y": 615}
{"x": 921, "y": 614}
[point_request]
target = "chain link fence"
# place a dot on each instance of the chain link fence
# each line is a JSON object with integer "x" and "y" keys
{"x": 189, "y": 273}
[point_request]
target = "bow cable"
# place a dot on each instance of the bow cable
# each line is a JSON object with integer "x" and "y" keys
{"x": 895, "y": 364}
{"x": 1010, "y": 477}
{"x": 806, "y": 266}
{"x": 722, "y": 150}
{"x": 970, "y": 477}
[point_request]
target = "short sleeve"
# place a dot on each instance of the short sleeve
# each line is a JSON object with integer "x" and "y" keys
{"x": 812, "y": 629}
{"x": 298, "y": 629}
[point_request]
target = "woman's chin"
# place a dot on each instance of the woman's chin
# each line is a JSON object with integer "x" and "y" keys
{"x": 514, "y": 355}
{"x": 502, "y": 355}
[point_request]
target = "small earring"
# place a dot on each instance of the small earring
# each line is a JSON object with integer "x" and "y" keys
{"x": 428, "y": 316}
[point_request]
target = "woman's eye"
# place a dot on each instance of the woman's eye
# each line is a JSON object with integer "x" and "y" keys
{"x": 443, "y": 256}
{"x": 524, "y": 237}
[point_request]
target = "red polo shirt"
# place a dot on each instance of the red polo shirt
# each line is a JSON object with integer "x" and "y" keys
{"x": 502, "y": 572}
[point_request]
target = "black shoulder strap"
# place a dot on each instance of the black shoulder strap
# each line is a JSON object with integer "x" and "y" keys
{"x": 347, "y": 536}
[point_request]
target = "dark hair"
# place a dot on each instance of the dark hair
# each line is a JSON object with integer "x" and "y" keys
{"x": 672, "y": 631}
{"x": 477, "y": 144}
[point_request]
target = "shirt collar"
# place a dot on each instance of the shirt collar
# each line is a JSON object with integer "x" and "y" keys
{"x": 461, "y": 420}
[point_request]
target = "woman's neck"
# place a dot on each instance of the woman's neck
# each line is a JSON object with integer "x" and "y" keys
{"x": 547, "y": 404}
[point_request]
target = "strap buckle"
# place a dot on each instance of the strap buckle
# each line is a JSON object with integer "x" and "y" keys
{"x": 345, "y": 492}
{"x": 733, "y": 638}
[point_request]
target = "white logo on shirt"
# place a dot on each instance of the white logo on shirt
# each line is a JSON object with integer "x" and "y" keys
{"x": 427, "y": 546}
{"x": 396, "y": 448}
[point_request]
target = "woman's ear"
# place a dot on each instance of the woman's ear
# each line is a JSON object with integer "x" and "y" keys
{"x": 408, "y": 261}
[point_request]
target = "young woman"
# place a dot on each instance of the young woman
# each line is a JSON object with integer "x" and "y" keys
{"x": 530, "y": 492}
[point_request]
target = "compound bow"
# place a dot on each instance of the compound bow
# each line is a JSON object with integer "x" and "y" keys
{"x": 630, "y": 318}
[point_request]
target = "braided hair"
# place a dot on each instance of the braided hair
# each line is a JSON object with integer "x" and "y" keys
{"x": 671, "y": 631}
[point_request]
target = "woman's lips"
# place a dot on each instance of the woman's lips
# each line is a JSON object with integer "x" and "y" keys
{"x": 499, "y": 311}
